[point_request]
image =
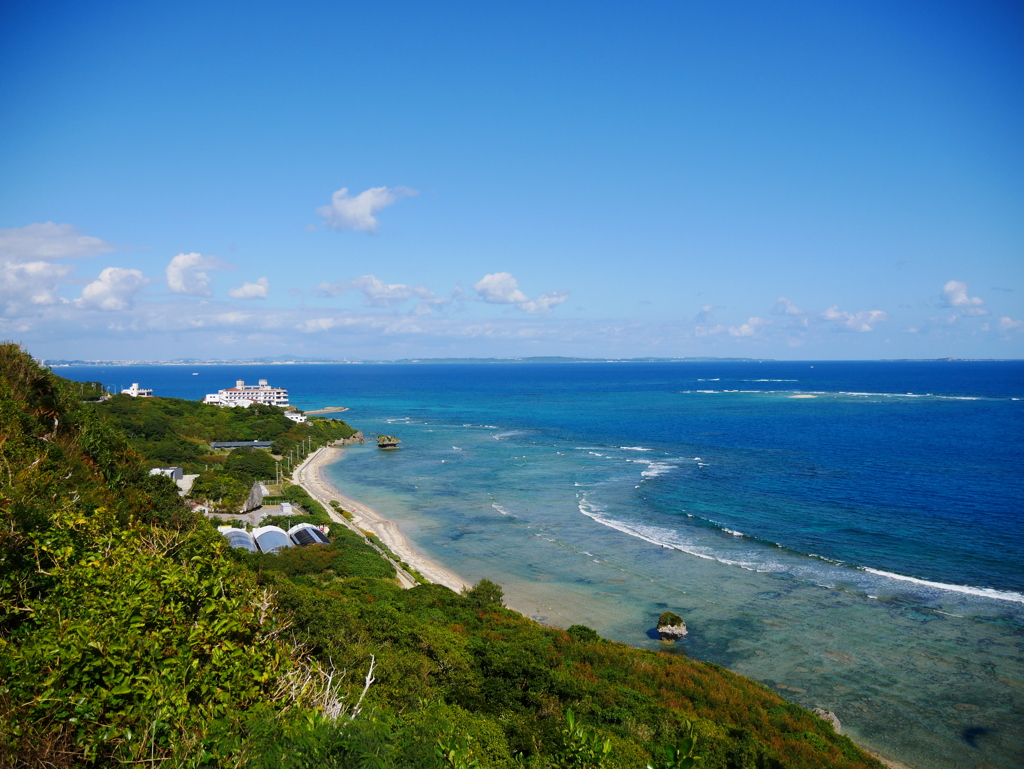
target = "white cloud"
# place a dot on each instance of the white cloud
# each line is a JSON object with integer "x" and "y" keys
{"x": 377, "y": 293}
{"x": 232, "y": 318}
{"x": 1009, "y": 324}
{"x": 312, "y": 325}
{"x": 428, "y": 304}
{"x": 702, "y": 317}
{"x": 749, "y": 328}
{"x": 381, "y": 294}
{"x": 348, "y": 213}
{"x": 114, "y": 289}
{"x": 29, "y": 283}
{"x": 502, "y": 288}
{"x": 785, "y": 307}
{"x": 28, "y": 278}
{"x": 542, "y": 304}
{"x": 702, "y": 330}
{"x": 49, "y": 241}
{"x": 186, "y": 273}
{"x": 861, "y": 322}
{"x": 337, "y": 288}
{"x": 258, "y": 290}
{"x": 954, "y": 294}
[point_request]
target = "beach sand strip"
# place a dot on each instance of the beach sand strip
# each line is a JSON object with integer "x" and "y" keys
{"x": 365, "y": 518}
{"x": 309, "y": 475}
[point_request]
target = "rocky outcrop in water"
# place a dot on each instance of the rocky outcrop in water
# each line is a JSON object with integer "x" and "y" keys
{"x": 387, "y": 442}
{"x": 830, "y": 717}
{"x": 356, "y": 437}
{"x": 672, "y": 632}
{"x": 671, "y": 626}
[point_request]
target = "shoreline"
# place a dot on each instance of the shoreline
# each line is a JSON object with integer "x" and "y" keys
{"x": 365, "y": 518}
{"x": 309, "y": 475}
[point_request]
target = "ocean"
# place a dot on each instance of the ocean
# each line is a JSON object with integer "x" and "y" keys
{"x": 847, "y": 533}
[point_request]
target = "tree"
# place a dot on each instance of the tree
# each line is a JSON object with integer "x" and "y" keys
{"x": 485, "y": 594}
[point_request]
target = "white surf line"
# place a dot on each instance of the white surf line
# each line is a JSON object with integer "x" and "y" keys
{"x": 984, "y": 592}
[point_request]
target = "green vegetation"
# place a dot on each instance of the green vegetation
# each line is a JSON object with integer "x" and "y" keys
{"x": 171, "y": 431}
{"x": 348, "y": 555}
{"x": 669, "y": 618}
{"x": 130, "y": 634}
{"x": 126, "y": 634}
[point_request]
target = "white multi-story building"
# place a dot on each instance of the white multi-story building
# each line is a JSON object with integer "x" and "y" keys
{"x": 245, "y": 395}
{"x": 137, "y": 392}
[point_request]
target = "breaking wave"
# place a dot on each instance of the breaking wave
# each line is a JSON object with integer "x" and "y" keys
{"x": 756, "y": 555}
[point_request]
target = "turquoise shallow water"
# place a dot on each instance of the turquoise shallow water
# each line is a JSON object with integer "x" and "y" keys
{"x": 859, "y": 550}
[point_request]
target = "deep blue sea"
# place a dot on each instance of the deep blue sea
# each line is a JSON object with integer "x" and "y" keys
{"x": 849, "y": 533}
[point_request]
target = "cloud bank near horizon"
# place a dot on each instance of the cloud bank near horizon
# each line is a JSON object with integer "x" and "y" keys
{"x": 44, "y": 303}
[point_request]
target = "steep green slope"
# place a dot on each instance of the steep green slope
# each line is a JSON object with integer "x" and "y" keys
{"x": 126, "y": 635}
{"x": 130, "y": 634}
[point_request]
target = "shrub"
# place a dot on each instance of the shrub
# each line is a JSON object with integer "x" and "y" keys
{"x": 582, "y": 634}
{"x": 484, "y": 594}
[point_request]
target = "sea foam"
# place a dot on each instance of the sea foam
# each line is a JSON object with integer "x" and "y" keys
{"x": 823, "y": 571}
{"x": 984, "y": 592}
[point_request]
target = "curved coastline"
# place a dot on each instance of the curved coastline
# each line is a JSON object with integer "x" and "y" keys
{"x": 309, "y": 476}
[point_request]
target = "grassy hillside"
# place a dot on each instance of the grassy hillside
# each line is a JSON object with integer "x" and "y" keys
{"x": 129, "y": 634}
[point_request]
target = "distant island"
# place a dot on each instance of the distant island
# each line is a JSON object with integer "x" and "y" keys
{"x": 292, "y": 359}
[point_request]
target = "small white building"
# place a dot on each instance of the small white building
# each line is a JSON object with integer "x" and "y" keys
{"x": 245, "y": 395}
{"x": 137, "y": 392}
{"x": 174, "y": 473}
{"x": 296, "y": 416}
{"x": 177, "y": 474}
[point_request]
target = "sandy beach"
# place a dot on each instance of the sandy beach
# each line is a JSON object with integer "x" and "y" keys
{"x": 365, "y": 518}
{"x": 309, "y": 475}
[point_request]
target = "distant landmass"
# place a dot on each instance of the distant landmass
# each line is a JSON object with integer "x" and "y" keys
{"x": 290, "y": 359}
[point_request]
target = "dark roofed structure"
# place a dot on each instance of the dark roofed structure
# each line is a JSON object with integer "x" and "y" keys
{"x": 241, "y": 444}
{"x": 307, "y": 534}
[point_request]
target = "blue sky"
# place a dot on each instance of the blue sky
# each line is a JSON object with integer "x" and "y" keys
{"x": 797, "y": 180}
